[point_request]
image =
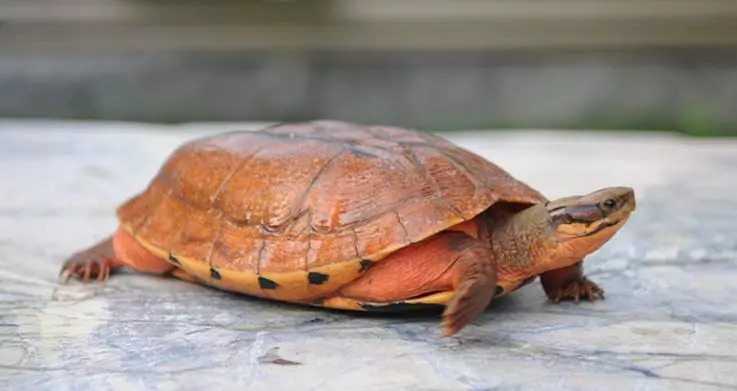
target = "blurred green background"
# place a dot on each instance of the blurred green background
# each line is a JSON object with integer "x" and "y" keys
{"x": 575, "y": 64}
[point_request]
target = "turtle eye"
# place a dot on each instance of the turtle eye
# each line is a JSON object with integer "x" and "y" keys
{"x": 609, "y": 203}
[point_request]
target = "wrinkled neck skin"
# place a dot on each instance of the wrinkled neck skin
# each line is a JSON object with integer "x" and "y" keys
{"x": 529, "y": 243}
{"x": 522, "y": 243}
{"x": 557, "y": 233}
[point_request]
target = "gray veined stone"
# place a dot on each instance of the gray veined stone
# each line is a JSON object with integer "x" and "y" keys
{"x": 668, "y": 321}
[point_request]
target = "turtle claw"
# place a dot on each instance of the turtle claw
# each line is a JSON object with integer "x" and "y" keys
{"x": 577, "y": 289}
{"x": 65, "y": 275}
{"x": 87, "y": 270}
{"x": 92, "y": 264}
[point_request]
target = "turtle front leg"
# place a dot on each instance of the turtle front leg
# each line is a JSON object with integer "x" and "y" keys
{"x": 570, "y": 283}
{"x": 474, "y": 282}
{"x": 94, "y": 263}
{"x": 447, "y": 261}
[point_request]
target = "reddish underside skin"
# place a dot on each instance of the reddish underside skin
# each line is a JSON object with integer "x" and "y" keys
{"x": 132, "y": 254}
{"x": 419, "y": 269}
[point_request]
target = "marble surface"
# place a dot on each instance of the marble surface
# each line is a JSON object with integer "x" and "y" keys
{"x": 669, "y": 321}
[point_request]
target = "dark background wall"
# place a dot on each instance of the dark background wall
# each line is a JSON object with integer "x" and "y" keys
{"x": 607, "y": 64}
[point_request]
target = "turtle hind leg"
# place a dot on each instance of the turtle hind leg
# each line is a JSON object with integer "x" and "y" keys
{"x": 96, "y": 262}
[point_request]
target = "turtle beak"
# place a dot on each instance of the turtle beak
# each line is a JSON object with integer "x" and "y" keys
{"x": 589, "y": 214}
{"x": 584, "y": 224}
{"x": 624, "y": 198}
{"x": 631, "y": 202}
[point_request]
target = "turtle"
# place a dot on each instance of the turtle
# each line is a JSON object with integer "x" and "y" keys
{"x": 355, "y": 217}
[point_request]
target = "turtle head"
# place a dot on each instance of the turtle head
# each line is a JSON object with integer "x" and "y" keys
{"x": 582, "y": 224}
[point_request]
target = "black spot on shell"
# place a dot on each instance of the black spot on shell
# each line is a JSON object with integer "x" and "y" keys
{"x": 265, "y": 283}
{"x": 319, "y": 301}
{"x": 174, "y": 260}
{"x": 365, "y": 265}
{"x": 215, "y": 274}
{"x": 316, "y": 278}
{"x": 401, "y": 307}
{"x": 498, "y": 289}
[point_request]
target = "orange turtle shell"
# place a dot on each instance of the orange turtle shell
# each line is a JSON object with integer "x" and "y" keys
{"x": 295, "y": 211}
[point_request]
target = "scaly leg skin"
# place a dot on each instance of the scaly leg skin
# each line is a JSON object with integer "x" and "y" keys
{"x": 96, "y": 262}
{"x": 449, "y": 261}
{"x": 474, "y": 283}
{"x": 570, "y": 283}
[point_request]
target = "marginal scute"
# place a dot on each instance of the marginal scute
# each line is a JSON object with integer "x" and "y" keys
{"x": 339, "y": 275}
{"x": 272, "y": 211}
{"x": 315, "y": 278}
{"x": 173, "y": 259}
{"x": 265, "y": 283}
{"x": 364, "y": 265}
{"x": 236, "y": 281}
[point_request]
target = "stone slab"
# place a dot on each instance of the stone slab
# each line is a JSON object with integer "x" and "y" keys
{"x": 669, "y": 321}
